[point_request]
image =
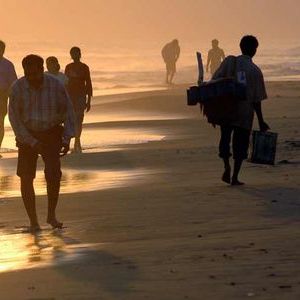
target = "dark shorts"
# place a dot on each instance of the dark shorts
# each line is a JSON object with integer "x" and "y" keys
{"x": 240, "y": 142}
{"x": 27, "y": 156}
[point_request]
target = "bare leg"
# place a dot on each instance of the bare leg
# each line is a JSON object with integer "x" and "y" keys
{"x": 53, "y": 186}
{"x": 77, "y": 143}
{"x": 28, "y": 196}
{"x": 53, "y": 176}
{"x": 237, "y": 167}
{"x": 227, "y": 172}
{"x": 1, "y": 128}
{"x": 224, "y": 152}
{"x": 171, "y": 77}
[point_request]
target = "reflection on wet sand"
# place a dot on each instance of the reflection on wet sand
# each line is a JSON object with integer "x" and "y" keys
{"x": 107, "y": 138}
{"x": 21, "y": 251}
{"x": 74, "y": 181}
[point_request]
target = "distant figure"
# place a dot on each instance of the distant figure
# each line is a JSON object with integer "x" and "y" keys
{"x": 239, "y": 131}
{"x": 170, "y": 54}
{"x": 7, "y": 77}
{"x": 38, "y": 107}
{"x": 53, "y": 68}
{"x": 80, "y": 90}
{"x": 215, "y": 57}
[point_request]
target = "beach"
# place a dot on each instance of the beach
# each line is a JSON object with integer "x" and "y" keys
{"x": 147, "y": 217}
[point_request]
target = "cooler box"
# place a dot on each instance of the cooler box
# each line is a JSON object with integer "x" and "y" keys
{"x": 263, "y": 147}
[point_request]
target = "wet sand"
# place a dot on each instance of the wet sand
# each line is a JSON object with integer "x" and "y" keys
{"x": 174, "y": 232}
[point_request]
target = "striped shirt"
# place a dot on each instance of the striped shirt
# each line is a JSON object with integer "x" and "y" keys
{"x": 40, "y": 110}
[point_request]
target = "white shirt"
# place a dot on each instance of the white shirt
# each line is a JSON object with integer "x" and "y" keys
{"x": 59, "y": 76}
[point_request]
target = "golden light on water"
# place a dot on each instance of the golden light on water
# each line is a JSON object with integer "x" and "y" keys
{"x": 21, "y": 251}
{"x": 72, "y": 181}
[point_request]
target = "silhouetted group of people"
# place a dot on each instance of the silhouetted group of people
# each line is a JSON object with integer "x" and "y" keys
{"x": 171, "y": 52}
{"x": 46, "y": 110}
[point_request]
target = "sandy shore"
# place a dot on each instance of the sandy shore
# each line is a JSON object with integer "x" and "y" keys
{"x": 174, "y": 231}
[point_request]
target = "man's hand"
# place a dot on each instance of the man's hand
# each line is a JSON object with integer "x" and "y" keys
{"x": 263, "y": 126}
{"x": 88, "y": 106}
{"x": 64, "y": 149}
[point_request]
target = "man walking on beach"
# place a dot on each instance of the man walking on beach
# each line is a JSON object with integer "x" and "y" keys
{"x": 80, "y": 90}
{"x": 215, "y": 57}
{"x": 7, "y": 77}
{"x": 249, "y": 74}
{"x": 170, "y": 54}
{"x": 38, "y": 106}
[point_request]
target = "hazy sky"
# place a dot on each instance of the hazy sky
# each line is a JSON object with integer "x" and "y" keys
{"x": 147, "y": 21}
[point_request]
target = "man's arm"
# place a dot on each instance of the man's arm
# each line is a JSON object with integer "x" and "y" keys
{"x": 222, "y": 55}
{"x": 260, "y": 95}
{"x": 89, "y": 89}
{"x": 12, "y": 75}
{"x": 208, "y": 61}
{"x": 69, "y": 122}
{"x": 178, "y": 53}
{"x": 22, "y": 134}
{"x": 262, "y": 124}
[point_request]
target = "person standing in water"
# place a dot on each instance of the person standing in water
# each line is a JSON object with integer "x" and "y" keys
{"x": 7, "y": 77}
{"x": 42, "y": 118}
{"x": 80, "y": 89}
{"x": 53, "y": 68}
{"x": 215, "y": 57}
{"x": 170, "y": 54}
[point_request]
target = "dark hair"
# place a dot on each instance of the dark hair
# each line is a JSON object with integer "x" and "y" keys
{"x": 32, "y": 60}
{"x": 52, "y": 59}
{"x": 248, "y": 45}
{"x": 2, "y": 44}
{"x": 75, "y": 49}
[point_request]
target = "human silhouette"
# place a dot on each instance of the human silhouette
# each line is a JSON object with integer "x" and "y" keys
{"x": 42, "y": 117}
{"x": 170, "y": 54}
{"x": 80, "y": 90}
{"x": 7, "y": 77}
{"x": 215, "y": 57}
{"x": 239, "y": 130}
{"x": 53, "y": 68}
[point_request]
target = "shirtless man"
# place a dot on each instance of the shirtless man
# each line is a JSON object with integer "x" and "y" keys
{"x": 215, "y": 57}
{"x": 80, "y": 90}
{"x": 170, "y": 54}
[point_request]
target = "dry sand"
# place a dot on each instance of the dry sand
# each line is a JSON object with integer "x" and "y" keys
{"x": 179, "y": 232}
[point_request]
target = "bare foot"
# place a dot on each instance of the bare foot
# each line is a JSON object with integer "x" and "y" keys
{"x": 34, "y": 228}
{"x": 227, "y": 176}
{"x": 236, "y": 182}
{"x": 54, "y": 223}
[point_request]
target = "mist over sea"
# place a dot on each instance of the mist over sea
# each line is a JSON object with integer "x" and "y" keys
{"x": 118, "y": 69}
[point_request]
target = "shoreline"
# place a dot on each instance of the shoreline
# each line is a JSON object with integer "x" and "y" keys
{"x": 176, "y": 233}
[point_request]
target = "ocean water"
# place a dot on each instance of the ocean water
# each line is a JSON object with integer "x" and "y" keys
{"x": 117, "y": 70}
